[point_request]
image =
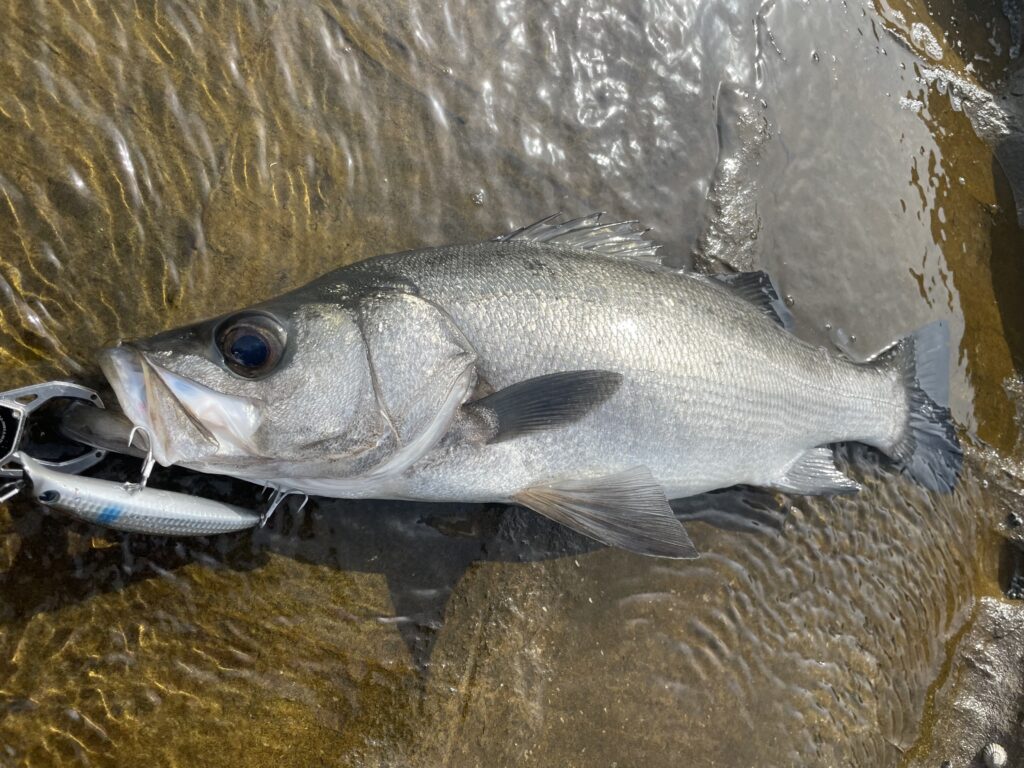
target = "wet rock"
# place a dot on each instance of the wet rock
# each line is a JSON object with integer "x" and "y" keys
{"x": 9, "y": 545}
{"x": 983, "y": 694}
{"x": 732, "y": 222}
{"x": 193, "y": 157}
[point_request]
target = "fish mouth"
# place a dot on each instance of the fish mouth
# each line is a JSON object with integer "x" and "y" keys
{"x": 186, "y": 422}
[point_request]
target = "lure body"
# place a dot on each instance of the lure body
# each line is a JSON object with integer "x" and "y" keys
{"x": 131, "y": 508}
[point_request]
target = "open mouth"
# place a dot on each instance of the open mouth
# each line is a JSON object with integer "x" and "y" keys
{"x": 185, "y": 421}
{"x": 124, "y": 370}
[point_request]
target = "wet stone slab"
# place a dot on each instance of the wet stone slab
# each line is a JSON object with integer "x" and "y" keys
{"x": 983, "y": 697}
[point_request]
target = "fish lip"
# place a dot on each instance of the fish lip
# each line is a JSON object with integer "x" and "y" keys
{"x": 123, "y": 366}
{"x": 235, "y": 419}
{"x": 217, "y": 424}
{"x": 134, "y": 377}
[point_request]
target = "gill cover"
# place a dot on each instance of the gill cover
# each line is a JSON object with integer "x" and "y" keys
{"x": 422, "y": 369}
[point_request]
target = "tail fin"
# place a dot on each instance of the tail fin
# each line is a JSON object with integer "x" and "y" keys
{"x": 929, "y": 449}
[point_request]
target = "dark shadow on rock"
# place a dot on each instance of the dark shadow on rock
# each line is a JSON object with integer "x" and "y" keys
{"x": 1009, "y": 150}
{"x": 1008, "y": 257}
{"x": 741, "y": 509}
{"x": 422, "y": 549}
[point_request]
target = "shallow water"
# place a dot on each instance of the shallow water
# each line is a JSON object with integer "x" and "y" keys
{"x": 164, "y": 162}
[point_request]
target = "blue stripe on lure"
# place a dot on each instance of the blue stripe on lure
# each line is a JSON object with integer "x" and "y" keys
{"x": 131, "y": 508}
{"x": 108, "y": 516}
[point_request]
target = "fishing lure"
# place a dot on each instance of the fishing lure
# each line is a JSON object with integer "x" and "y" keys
{"x": 132, "y": 507}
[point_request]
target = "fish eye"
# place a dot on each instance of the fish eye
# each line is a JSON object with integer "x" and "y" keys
{"x": 251, "y": 345}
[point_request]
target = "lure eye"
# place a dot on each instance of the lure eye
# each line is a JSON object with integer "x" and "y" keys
{"x": 251, "y": 345}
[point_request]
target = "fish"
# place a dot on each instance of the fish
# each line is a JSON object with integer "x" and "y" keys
{"x": 132, "y": 508}
{"x": 562, "y": 367}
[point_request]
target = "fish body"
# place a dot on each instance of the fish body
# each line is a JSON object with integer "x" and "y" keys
{"x": 561, "y": 367}
{"x": 713, "y": 392}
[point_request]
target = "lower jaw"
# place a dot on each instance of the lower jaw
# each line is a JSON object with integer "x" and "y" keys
{"x": 123, "y": 369}
{"x": 127, "y": 375}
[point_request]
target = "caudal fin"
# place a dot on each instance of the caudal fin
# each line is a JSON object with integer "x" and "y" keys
{"x": 929, "y": 449}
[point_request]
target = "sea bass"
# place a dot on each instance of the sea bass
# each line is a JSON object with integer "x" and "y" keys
{"x": 561, "y": 367}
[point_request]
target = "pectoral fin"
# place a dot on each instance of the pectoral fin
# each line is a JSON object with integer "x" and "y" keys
{"x": 815, "y": 473}
{"x": 627, "y": 510}
{"x": 544, "y": 402}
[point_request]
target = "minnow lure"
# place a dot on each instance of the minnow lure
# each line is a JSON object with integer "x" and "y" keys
{"x": 131, "y": 507}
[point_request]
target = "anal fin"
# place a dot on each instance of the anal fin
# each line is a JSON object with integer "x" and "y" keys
{"x": 814, "y": 473}
{"x": 627, "y": 510}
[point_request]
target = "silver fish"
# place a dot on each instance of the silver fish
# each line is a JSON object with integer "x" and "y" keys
{"x": 126, "y": 507}
{"x": 560, "y": 367}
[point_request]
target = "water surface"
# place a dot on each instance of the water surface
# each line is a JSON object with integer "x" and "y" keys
{"x": 168, "y": 161}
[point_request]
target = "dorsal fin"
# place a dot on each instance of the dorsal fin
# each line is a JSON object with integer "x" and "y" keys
{"x": 620, "y": 240}
{"x": 759, "y": 290}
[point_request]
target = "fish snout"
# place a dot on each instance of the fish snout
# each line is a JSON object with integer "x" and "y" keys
{"x": 123, "y": 368}
{"x": 148, "y": 410}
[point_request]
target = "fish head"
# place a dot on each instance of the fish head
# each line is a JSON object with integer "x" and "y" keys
{"x": 284, "y": 381}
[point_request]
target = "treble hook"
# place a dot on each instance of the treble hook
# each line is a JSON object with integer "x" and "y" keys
{"x": 275, "y": 502}
{"x": 9, "y": 490}
{"x": 148, "y": 463}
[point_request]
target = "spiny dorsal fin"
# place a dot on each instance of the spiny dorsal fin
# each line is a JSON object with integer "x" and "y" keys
{"x": 627, "y": 510}
{"x": 759, "y": 290}
{"x": 620, "y": 240}
{"x": 545, "y": 402}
